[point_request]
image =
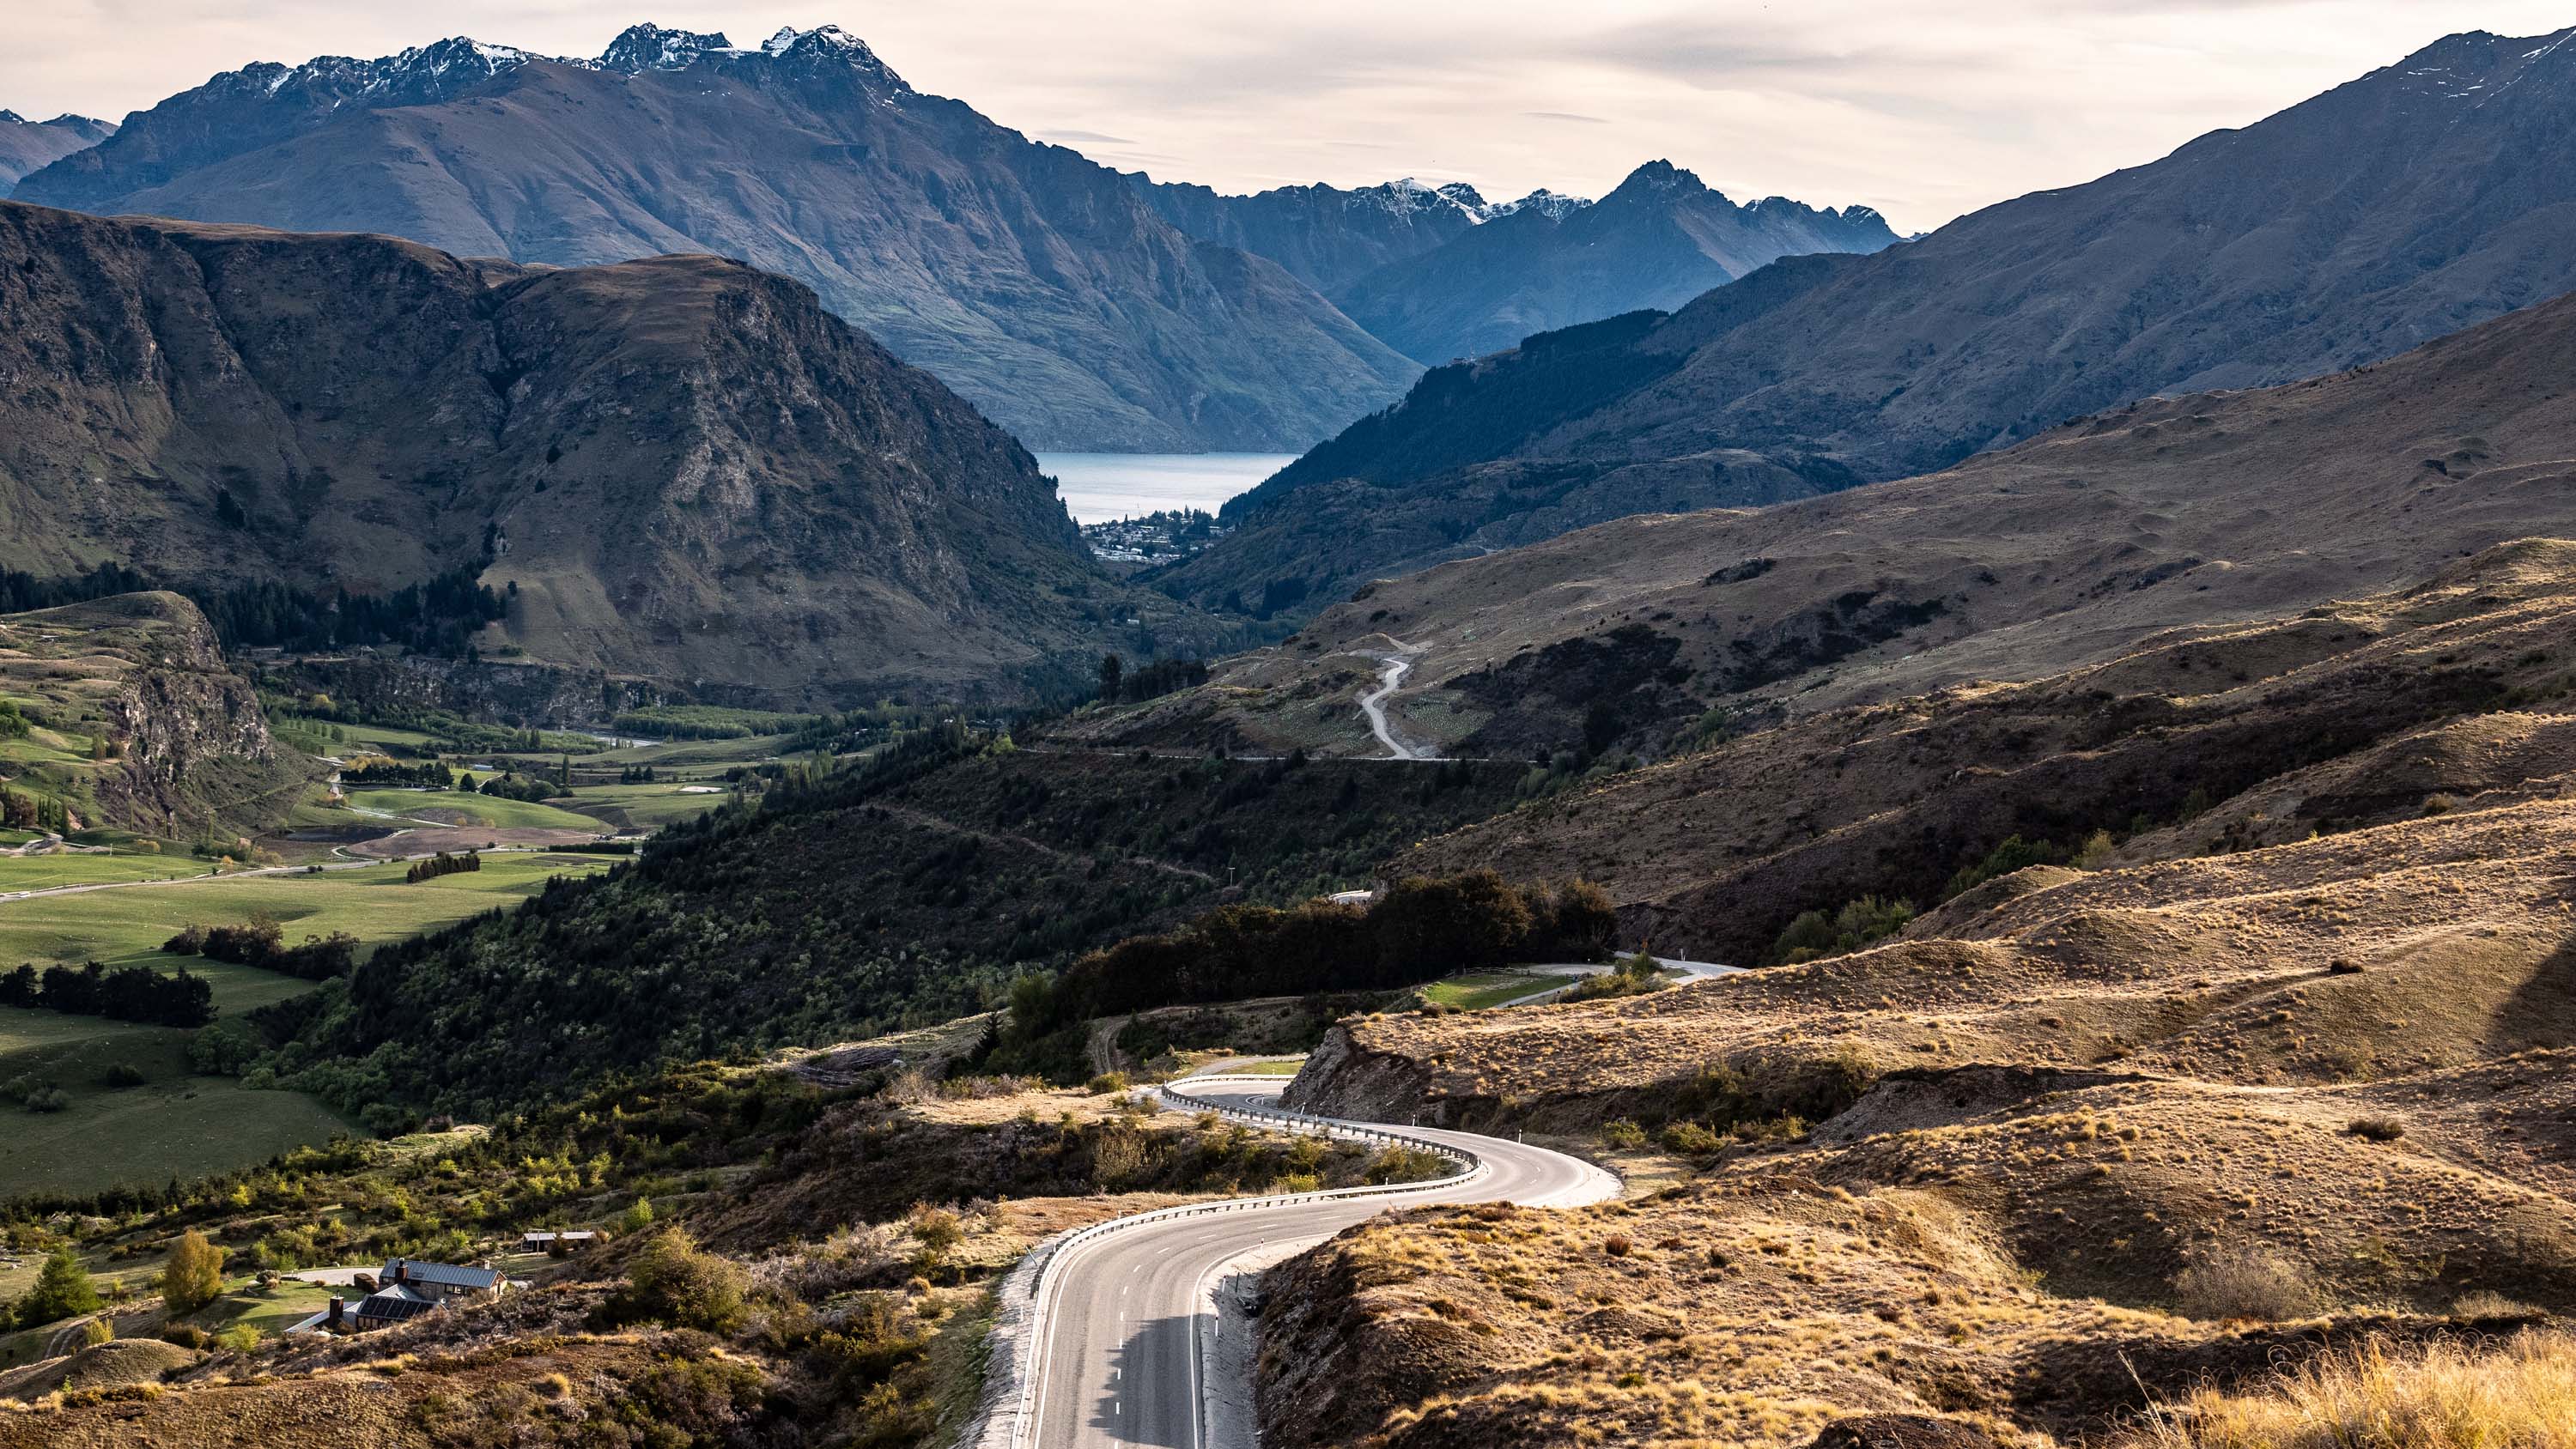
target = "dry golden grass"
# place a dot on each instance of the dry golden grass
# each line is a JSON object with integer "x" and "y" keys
{"x": 2294, "y": 1072}
{"x": 2520, "y": 1395}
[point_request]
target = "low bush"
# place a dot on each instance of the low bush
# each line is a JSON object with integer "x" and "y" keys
{"x": 673, "y": 1281}
{"x": 2244, "y": 1284}
{"x": 1633, "y": 976}
{"x": 1815, "y": 934}
{"x": 2013, "y": 854}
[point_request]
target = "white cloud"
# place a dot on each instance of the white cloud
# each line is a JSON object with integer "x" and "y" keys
{"x": 1921, "y": 111}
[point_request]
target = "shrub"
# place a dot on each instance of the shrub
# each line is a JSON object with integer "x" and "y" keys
{"x": 2014, "y": 854}
{"x": 240, "y": 1338}
{"x": 47, "y": 1099}
{"x": 1690, "y": 1139}
{"x": 122, "y": 1074}
{"x": 97, "y": 1331}
{"x": 1109, "y": 1082}
{"x": 674, "y": 1281}
{"x": 1857, "y": 924}
{"x": 2244, "y": 1283}
{"x": 187, "y": 1335}
{"x": 938, "y": 1232}
{"x": 193, "y": 1276}
{"x": 1624, "y": 1134}
{"x": 1633, "y": 976}
{"x": 190, "y": 941}
{"x": 2096, "y": 851}
{"x": 2377, "y": 1129}
{"x": 1617, "y": 1245}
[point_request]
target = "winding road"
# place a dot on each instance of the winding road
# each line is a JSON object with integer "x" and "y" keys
{"x": 1126, "y": 1318}
{"x": 1373, "y": 704}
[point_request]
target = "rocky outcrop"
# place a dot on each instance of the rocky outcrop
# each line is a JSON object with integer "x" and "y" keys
{"x": 189, "y": 744}
{"x": 680, "y": 468}
{"x": 1340, "y": 1079}
{"x": 539, "y": 695}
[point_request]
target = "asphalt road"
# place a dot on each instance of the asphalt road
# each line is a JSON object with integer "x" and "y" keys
{"x": 1373, "y": 705}
{"x": 1121, "y": 1363}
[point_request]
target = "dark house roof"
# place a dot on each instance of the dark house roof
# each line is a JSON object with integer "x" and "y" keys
{"x": 443, "y": 1275}
{"x": 392, "y": 1305}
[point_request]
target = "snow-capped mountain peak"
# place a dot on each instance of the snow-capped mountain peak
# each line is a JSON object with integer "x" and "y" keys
{"x": 434, "y": 71}
{"x": 1554, "y": 205}
{"x": 640, "y": 48}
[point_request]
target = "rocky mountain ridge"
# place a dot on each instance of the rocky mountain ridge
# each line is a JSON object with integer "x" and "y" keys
{"x": 1038, "y": 284}
{"x": 679, "y": 467}
{"x": 2405, "y": 205}
{"x": 27, "y": 146}
{"x": 1661, "y": 238}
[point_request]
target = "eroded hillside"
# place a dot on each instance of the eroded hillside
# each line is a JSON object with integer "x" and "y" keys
{"x": 2279, "y": 1065}
{"x": 2068, "y": 550}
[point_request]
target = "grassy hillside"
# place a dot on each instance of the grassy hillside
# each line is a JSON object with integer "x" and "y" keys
{"x": 178, "y": 1122}
{"x": 2128, "y": 1112}
{"x": 2075, "y": 548}
{"x": 119, "y": 718}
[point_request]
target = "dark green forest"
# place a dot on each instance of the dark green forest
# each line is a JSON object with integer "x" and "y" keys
{"x": 907, "y": 890}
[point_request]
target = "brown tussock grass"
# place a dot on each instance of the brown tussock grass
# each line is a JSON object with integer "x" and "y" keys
{"x": 2520, "y": 1395}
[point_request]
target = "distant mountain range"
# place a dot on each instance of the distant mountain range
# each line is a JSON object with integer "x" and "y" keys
{"x": 1657, "y": 241}
{"x": 1038, "y": 284}
{"x": 27, "y": 146}
{"x": 1079, "y": 308}
{"x": 2161, "y": 523}
{"x": 2415, "y": 201}
{"x": 680, "y": 468}
{"x": 1439, "y": 273}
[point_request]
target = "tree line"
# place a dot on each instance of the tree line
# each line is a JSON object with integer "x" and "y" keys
{"x": 128, "y": 993}
{"x": 262, "y": 943}
{"x": 442, "y": 864}
{"x": 1150, "y": 680}
{"x": 439, "y": 616}
{"x": 1419, "y": 930}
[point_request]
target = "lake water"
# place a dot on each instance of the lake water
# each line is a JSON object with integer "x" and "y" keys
{"x": 1105, "y": 487}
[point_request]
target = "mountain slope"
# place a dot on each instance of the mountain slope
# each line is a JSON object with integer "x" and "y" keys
{"x": 2188, "y": 512}
{"x": 680, "y": 467}
{"x": 1657, "y": 241}
{"x": 1035, "y": 282}
{"x": 1326, "y": 236}
{"x": 2409, "y": 203}
{"x": 134, "y": 720}
{"x": 27, "y": 146}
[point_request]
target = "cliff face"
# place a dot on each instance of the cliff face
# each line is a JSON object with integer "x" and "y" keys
{"x": 186, "y": 746}
{"x": 682, "y": 467}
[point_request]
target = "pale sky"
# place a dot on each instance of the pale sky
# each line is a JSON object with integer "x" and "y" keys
{"x": 1923, "y": 111}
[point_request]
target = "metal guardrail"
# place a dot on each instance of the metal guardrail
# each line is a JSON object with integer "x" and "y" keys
{"x": 1014, "y": 1425}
